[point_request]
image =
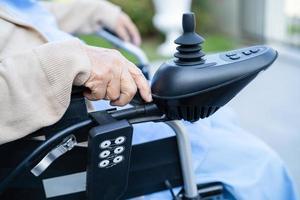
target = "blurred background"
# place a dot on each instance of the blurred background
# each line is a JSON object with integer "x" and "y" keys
{"x": 269, "y": 107}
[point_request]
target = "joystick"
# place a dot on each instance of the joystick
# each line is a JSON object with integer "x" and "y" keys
{"x": 189, "y": 49}
{"x": 190, "y": 87}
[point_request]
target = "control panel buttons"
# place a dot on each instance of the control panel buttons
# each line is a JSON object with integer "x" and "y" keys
{"x": 236, "y": 57}
{"x": 255, "y": 50}
{"x": 119, "y": 150}
{"x": 118, "y": 159}
{"x": 247, "y": 53}
{"x": 111, "y": 153}
{"x": 242, "y": 54}
{"x": 105, "y": 144}
{"x": 231, "y": 54}
{"x": 120, "y": 140}
{"x": 103, "y": 163}
{"x": 104, "y": 154}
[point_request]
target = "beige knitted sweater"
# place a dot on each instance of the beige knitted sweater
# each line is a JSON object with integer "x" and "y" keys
{"x": 36, "y": 76}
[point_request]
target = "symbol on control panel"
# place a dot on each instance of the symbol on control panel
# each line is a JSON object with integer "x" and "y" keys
{"x": 103, "y": 163}
{"x": 118, "y": 159}
{"x": 234, "y": 57}
{"x": 255, "y": 50}
{"x": 120, "y": 140}
{"x": 104, "y": 154}
{"x": 119, "y": 150}
{"x": 247, "y": 53}
{"x": 105, "y": 144}
{"x": 230, "y": 54}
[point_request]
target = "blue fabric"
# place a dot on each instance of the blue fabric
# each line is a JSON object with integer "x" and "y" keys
{"x": 31, "y": 12}
{"x": 222, "y": 151}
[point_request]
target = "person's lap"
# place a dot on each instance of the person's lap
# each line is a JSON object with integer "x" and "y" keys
{"x": 224, "y": 152}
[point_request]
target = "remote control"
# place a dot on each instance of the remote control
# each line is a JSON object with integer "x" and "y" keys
{"x": 109, "y": 147}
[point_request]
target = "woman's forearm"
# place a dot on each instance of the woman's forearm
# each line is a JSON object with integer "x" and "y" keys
{"x": 35, "y": 86}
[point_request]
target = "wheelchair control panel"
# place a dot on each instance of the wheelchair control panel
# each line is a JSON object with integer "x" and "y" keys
{"x": 109, "y": 148}
{"x": 206, "y": 82}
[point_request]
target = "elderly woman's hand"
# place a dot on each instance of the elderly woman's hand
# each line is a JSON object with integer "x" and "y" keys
{"x": 114, "y": 78}
{"x": 126, "y": 30}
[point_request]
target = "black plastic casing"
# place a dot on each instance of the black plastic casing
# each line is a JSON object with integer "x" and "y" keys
{"x": 110, "y": 181}
{"x": 197, "y": 91}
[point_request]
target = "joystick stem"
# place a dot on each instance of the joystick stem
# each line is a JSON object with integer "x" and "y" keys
{"x": 189, "y": 51}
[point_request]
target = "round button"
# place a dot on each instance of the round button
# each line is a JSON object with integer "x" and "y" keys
{"x": 234, "y": 57}
{"x": 119, "y": 150}
{"x": 247, "y": 53}
{"x": 120, "y": 140}
{"x": 255, "y": 50}
{"x": 118, "y": 159}
{"x": 105, "y": 144}
{"x": 104, "y": 154}
{"x": 103, "y": 163}
{"x": 231, "y": 54}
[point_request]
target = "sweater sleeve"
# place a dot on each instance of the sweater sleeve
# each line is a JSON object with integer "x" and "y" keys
{"x": 84, "y": 16}
{"x": 35, "y": 86}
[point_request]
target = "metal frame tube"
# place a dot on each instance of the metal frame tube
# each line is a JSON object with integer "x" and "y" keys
{"x": 185, "y": 153}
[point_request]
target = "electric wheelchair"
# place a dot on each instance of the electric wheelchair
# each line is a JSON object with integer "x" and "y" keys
{"x": 89, "y": 155}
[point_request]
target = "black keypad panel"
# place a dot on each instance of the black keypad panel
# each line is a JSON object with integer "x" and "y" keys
{"x": 109, "y": 151}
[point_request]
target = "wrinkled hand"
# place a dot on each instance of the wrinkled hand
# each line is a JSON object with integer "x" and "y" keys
{"x": 126, "y": 30}
{"x": 114, "y": 78}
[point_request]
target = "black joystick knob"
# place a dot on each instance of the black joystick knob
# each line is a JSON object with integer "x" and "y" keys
{"x": 189, "y": 49}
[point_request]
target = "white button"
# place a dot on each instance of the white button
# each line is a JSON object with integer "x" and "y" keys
{"x": 118, "y": 159}
{"x": 103, "y": 163}
{"x": 104, "y": 154}
{"x": 105, "y": 144}
{"x": 119, "y": 150}
{"x": 120, "y": 140}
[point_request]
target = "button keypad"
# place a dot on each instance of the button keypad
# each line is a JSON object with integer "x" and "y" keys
{"x": 241, "y": 54}
{"x": 109, "y": 153}
{"x": 112, "y": 153}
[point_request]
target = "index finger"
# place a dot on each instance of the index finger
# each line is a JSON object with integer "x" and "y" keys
{"x": 141, "y": 82}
